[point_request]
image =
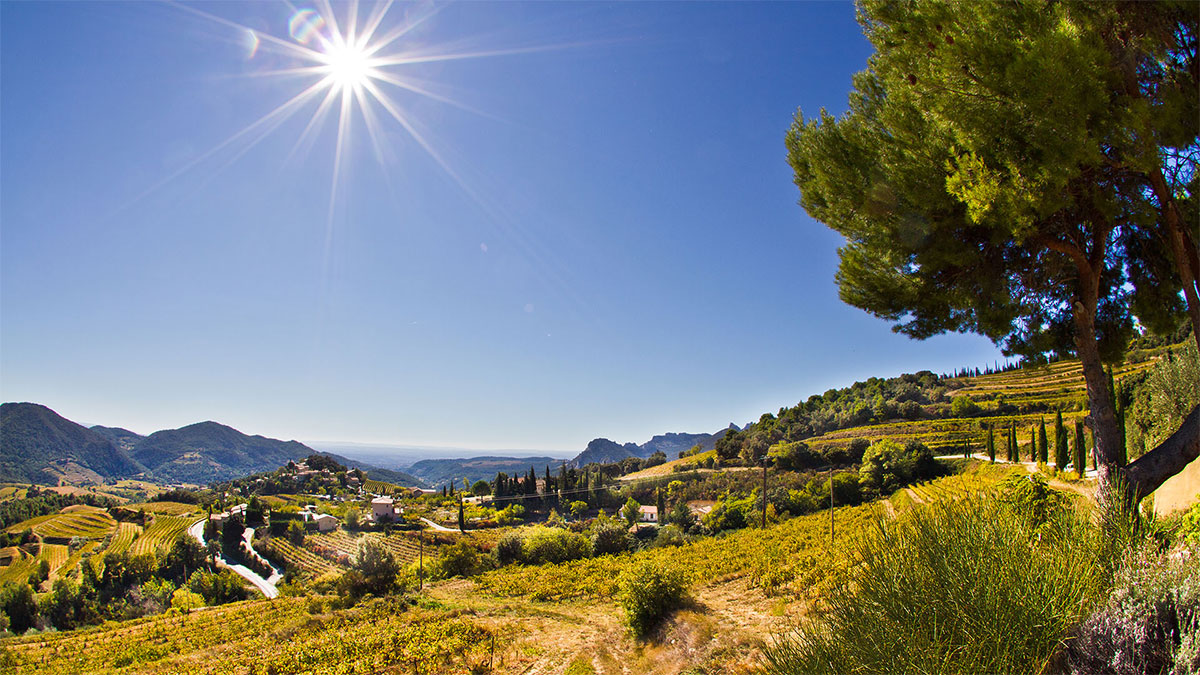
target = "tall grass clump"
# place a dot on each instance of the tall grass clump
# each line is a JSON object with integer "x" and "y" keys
{"x": 981, "y": 585}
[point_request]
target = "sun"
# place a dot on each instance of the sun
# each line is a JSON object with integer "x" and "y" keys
{"x": 348, "y": 66}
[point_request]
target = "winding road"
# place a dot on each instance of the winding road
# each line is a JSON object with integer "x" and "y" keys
{"x": 267, "y": 586}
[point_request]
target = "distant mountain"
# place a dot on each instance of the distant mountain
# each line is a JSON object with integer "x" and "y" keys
{"x": 208, "y": 451}
{"x": 37, "y": 445}
{"x": 439, "y": 472}
{"x": 604, "y": 451}
{"x": 396, "y": 477}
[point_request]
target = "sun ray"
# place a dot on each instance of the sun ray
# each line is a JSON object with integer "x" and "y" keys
{"x": 272, "y": 120}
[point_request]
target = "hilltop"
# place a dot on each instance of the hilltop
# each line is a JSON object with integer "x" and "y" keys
{"x": 37, "y": 445}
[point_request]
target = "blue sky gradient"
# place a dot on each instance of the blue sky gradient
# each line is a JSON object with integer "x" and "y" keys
{"x": 619, "y": 252}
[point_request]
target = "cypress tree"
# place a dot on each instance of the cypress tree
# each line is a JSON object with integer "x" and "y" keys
{"x": 1061, "y": 453}
{"x": 1012, "y": 444}
{"x": 1033, "y": 444}
{"x": 1043, "y": 446}
{"x": 462, "y": 520}
{"x": 660, "y": 503}
{"x": 991, "y": 444}
{"x": 1080, "y": 448}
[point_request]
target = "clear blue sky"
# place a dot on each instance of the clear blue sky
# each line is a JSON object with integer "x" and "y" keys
{"x": 616, "y": 250}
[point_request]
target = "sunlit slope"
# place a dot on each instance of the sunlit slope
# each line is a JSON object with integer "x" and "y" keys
{"x": 524, "y": 609}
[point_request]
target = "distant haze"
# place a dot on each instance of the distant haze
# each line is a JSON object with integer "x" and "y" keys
{"x": 404, "y": 456}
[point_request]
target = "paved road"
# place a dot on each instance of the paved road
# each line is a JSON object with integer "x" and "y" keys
{"x": 267, "y": 586}
{"x": 439, "y": 528}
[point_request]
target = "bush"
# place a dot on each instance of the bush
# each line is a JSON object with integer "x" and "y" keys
{"x": 508, "y": 549}
{"x": 1151, "y": 622}
{"x": 648, "y": 591}
{"x": 958, "y": 587}
{"x": 670, "y": 535}
{"x": 457, "y": 560}
{"x": 887, "y": 467}
{"x": 376, "y": 566}
{"x": 609, "y": 537}
{"x": 553, "y": 545}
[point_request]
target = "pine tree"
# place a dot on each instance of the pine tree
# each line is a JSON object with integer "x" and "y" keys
{"x": 1061, "y": 452}
{"x": 991, "y": 444}
{"x": 1080, "y": 448}
{"x": 1043, "y": 445}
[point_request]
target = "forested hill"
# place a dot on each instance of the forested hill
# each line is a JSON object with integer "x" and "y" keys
{"x": 37, "y": 445}
{"x": 208, "y": 451}
{"x": 949, "y": 412}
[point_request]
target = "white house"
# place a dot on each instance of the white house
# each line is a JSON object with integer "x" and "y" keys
{"x": 326, "y": 522}
{"x": 648, "y": 514}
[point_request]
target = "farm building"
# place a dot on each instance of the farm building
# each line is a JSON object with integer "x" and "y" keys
{"x": 648, "y": 514}
{"x": 383, "y": 508}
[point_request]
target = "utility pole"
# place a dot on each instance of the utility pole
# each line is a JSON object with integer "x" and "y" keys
{"x": 831, "y": 507}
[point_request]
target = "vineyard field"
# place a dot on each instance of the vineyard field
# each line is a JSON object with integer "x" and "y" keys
{"x": 160, "y": 533}
{"x": 124, "y": 537}
{"x": 278, "y": 636}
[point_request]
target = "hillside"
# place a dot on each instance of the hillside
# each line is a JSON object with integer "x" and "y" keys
{"x": 208, "y": 451}
{"x": 37, "y": 445}
{"x": 439, "y": 472}
{"x": 122, "y": 438}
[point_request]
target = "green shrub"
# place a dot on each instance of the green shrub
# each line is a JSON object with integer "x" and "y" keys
{"x": 887, "y": 466}
{"x": 609, "y": 537}
{"x": 457, "y": 560}
{"x": 508, "y": 549}
{"x": 553, "y": 545}
{"x": 648, "y": 591}
{"x": 966, "y": 586}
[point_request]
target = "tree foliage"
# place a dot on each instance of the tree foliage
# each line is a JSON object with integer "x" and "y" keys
{"x": 1022, "y": 170}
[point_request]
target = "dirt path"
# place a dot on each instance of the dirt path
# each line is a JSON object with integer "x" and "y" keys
{"x": 722, "y": 630}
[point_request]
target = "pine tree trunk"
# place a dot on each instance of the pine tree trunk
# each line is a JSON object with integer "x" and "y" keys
{"x": 1152, "y": 469}
{"x": 1102, "y": 416}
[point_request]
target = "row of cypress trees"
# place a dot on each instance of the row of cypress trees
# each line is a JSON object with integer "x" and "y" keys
{"x": 1039, "y": 450}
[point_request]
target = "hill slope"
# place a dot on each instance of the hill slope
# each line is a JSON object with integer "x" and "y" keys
{"x": 38, "y": 445}
{"x": 208, "y": 451}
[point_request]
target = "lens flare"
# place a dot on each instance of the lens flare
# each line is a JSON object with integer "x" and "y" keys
{"x": 305, "y": 26}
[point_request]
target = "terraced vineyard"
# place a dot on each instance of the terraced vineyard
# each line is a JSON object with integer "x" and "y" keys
{"x": 160, "y": 533}
{"x": 169, "y": 508}
{"x": 74, "y": 521}
{"x": 124, "y": 537}
{"x": 12, "y": 492}
{"x": 277, "y": 636}
{"x": 379, "y": 487}
{"x": 303, "y": 559}
{"x": 338, "y": 540}
{"x": 19, "y": 567}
